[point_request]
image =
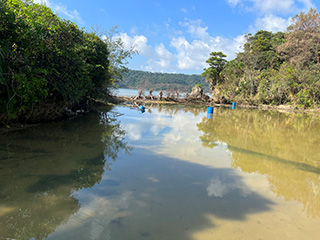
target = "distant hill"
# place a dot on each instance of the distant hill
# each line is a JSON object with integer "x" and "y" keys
{"x": 161, "y": 81}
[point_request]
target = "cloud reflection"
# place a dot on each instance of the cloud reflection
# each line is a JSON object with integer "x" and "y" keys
{"x": 219, "y": 188}
{"x": 175, "y": 134}
{"x": 134, "y": 131}
{"x": 95, "y": 218}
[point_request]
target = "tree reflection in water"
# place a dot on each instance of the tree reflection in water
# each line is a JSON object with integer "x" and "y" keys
{"x": 41, "y": 167}
{"x": 285, "y": 148}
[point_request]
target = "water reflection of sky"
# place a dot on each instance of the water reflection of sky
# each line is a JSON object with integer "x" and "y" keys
{"x": 148, "y": 128}
{"x": 174, "y": 135}
{"x": 171, "y": 187}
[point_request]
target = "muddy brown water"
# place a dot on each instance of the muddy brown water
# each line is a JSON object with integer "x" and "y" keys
{"x": 167, "y": 173}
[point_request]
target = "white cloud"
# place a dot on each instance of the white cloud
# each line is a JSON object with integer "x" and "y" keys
{"x": 159, "y": 58}
{"x": 71, "y": 14}
{"x": 307, "y": 5}
{"x": 190, "y": 55}
{"x": 163, "y": 52}
{"x": 134, "y": 131}
{"x": 272, "y": 6}
{"x": 195, "y": 28}
{"x": 134, "y": 30}
{"x": 183, "y": 10}
{"x": 193, "y": 54}
{"x": 271, "y": 23}
{"x": 164, "y": 57}
{"x": 233, "y": 3}
{"x": 44, "y": 2}
{"x": 139, "y": 42}
{"x": 184, "y": 54}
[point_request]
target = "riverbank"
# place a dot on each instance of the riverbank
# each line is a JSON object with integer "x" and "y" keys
{"x": 130, "y": 101}
{"x": 280, "y": 108}
{"x": 61, "y": 114}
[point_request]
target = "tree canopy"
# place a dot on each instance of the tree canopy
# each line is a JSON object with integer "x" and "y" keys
{"x": 212, "y": 73}
{"x": 274, "y": 68}
{"x": 48, "y": 63}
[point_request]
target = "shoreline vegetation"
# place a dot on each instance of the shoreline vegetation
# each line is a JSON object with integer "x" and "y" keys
{"x": 273, "y": 68}
{"x": 274, "y": 71}
{"x": 146, "y": 100}
{"x": 51, "y": 69}
{"x": 134, "y": 79}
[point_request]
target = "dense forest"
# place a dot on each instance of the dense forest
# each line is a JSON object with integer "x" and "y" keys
{"x": 48, "y": 64}
{"x": 274, "y": 68}
{"x": 161, "y": 81}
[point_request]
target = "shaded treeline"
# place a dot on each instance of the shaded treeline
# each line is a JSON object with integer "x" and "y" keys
{"x": 47, "y": 63}
{"x": 274, "y": 68}
{"x": 161, "y": 81}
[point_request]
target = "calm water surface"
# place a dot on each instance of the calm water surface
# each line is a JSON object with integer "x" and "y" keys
{"x": 169, "y": 173}
{"x": 125, "y": 92}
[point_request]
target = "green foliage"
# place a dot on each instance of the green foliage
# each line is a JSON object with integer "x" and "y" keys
{"x": 160, "y": 81}
{"x": 96, "y": 55}
{"x": 275, "y": 88}
{"x": 118, "y": 52}
{"x": 302, "y": 44}
{"x": 213, "y": 72}
{"x": 46, "y": 61}
{"x": 274, "y": 68}
{"x": 198, "y": 85}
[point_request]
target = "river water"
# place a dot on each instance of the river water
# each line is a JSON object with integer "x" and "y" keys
{"x": 168, "y": 173}
{"x": 125, "y": 92}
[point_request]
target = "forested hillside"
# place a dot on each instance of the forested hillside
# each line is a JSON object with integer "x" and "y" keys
{"x": 161, "y": 81}
{"x": 274, "y": 68}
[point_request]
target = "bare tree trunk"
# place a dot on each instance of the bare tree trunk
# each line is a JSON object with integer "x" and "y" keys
{"x": 138, "y": 95}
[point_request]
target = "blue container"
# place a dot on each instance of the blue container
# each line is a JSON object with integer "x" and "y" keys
{"x": 233, "y": 105}
{"x": 209, "y": 115}
{"x": 141, "y": 107}
{"x": 210, "y": 110}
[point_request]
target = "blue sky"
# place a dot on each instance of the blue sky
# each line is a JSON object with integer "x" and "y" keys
{"x": 178, "y": 36}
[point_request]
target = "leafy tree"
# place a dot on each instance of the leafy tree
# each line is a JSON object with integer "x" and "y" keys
{"x": 96, "y": 55}
{"x": 302, "y": 44}
{"x": 259, "y": 55}
{"x": 274, "y": 68}
{"x": 276, "y": 87}
{"x": 232, "y": 73}
{"x": 118, "y": 52}
{"x": 261, "y": 49}
{"x": 47, "y": 63}
{"x": 213, "y": 72}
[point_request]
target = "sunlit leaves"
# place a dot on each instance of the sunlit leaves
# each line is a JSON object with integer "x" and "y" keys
{"x": 45, "y": 59}
{"x": 216, "y": 63}
{"x": 302, "y": 44}
{"x": 276, "y": 68}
